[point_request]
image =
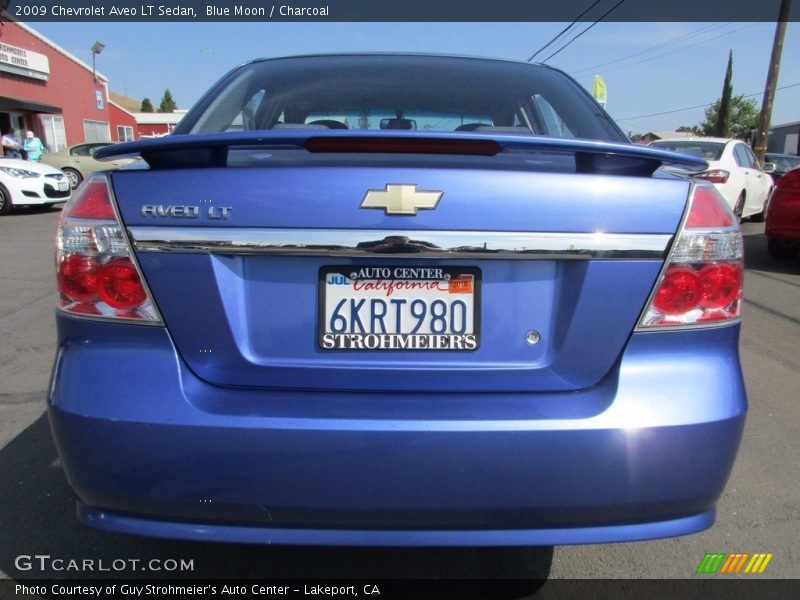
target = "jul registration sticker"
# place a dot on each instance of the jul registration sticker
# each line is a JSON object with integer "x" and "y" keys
{"x": 399, "y": 308}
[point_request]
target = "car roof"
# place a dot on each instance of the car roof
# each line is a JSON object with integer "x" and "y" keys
{"x": 432, "y": 55}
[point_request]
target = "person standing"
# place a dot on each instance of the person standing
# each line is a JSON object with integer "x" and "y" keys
{"x": 11, "y": 145}
{"x": 33, "y": 147}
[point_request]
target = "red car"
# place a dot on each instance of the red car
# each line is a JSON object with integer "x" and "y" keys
{"x": 783, "y": 217}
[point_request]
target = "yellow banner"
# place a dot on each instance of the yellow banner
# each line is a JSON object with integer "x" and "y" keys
{"x": 599, "y": 91}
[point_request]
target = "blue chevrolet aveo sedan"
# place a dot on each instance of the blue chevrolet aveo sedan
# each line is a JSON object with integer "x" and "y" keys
{"x": 398, "y": 300}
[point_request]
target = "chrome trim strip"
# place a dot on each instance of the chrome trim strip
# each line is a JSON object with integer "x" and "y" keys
{"x": 364, "y": 243}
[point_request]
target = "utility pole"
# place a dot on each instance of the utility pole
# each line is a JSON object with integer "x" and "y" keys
{"x": 762, "y": 133}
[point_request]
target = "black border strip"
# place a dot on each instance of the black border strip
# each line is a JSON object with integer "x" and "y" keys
{"x": 406, "y": 11}
{"x": 710, "y": 587}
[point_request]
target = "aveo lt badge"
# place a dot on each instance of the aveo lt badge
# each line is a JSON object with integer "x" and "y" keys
{"x": 185, "y": 212}
{"x": 401, "y": 199}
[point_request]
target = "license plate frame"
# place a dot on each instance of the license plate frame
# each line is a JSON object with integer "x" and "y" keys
{"x": 453, "y": 283}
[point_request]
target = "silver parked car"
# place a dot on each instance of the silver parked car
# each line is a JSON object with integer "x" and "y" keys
{"x": 78, "y": 161}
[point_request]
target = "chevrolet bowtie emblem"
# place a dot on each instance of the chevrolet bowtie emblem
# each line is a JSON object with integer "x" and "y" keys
{"x": 401, "y": 199}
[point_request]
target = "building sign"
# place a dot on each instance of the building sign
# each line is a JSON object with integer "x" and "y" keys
{"x": 24, "y": 62}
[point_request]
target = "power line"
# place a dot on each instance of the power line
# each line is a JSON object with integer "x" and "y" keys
{"x": 667, "y": 43}
{"x": 669, "y": 112}
{"x": 752, "y": 11}
{"x": 678, "y": 49}
{"x": 646, "y": 50}
{"x": 563, "y": 31}
{"x": 608, "y": 12}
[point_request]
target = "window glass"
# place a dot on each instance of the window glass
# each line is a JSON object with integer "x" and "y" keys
{"x": 96, "y": 131}
{"x": 124, "y": 133}
{"x": 55, "y": 136}
{"x": 783, "y": 162}
{"x": 751, "y": 158}
{"x": 740, "y": 154}
{"x": 552, "y": 122}
{"x": 412, "y": 93}
{"x": 704, "y": 150}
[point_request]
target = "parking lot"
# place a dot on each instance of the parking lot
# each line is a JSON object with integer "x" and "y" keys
{"x": 759, "y": 511}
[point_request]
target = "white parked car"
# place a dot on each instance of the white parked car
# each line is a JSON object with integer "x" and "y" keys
{"x": 732, "y": 168}
{"x": 24, "y": 183}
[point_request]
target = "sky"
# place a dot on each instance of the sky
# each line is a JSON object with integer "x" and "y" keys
{"x": 649, "y": 68}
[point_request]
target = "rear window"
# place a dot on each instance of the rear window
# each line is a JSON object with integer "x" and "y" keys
{"x": 411, "y": 93}
{"x": 704, "y": 150}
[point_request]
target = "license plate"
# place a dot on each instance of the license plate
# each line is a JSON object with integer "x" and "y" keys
{"x": 63, "y": 186}
{"x": 399, "y": 308}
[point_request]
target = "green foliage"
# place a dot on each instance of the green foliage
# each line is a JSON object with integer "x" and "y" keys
{"x": 167, "y": 103}
{"x": 743, "y": 118}
{"x": 723, "y": 122}
{"x": 147, "y": 106}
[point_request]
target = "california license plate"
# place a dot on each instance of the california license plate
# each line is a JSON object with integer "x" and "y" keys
{"x": 399, "y": 308}
{"x": 63, "y": 186}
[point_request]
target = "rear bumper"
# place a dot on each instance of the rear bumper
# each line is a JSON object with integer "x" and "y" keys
{"x": 152, "y": 450}
{"x": 262, "y": 534}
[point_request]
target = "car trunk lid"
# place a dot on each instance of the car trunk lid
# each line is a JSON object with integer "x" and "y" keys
{"x": 244, "y": 262}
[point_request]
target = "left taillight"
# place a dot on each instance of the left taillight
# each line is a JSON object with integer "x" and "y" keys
{"x": 96, "y": 270}
{"x": 714, "y": 176}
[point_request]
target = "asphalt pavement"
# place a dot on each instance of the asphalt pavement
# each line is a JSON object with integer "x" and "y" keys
{"x": 759, "y": 511}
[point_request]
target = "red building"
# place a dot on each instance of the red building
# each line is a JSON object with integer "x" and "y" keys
{"x": 45, "y": 89}
{"x": 123, "y": 123}
{"x": 157, "y": 124}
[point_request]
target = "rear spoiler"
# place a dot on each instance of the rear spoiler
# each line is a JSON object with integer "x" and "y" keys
{"x": 211, "y": 150}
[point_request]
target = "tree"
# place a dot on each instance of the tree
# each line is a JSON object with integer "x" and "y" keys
{"x": 723, "y": 122}
{"x": 686, "y": 129}
{"x": 167, "y": 103}
{"x": 147, "y": 106}
{"x": 743, "y": 118}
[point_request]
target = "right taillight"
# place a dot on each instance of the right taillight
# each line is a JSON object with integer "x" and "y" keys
{"x": 96, "y": 271}
{"x": 701, "y": 283}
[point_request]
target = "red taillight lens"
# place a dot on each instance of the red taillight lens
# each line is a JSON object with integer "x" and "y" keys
{"x": 678, "y": 292}
{"x": 86, "y": 308}
{"x": 706, "y": 210}
{"x": 402, "y": 145}
{"x": 96, "y": 272}
{"x": 92, "y": 202}
{"x": 714, "y": 176}
{"x": 119, "y": 285}
{"x": 721, "y": 284}
{"x": 77, "y": 278}
{"x": 702, "y": 282}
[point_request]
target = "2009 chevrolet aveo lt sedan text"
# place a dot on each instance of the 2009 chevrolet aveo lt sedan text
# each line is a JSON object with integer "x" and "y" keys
{"x": 398, "y": 300}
